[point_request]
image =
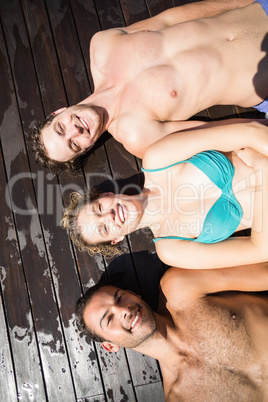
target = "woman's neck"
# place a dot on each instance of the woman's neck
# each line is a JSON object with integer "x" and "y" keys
{"x": 149, "y": 217}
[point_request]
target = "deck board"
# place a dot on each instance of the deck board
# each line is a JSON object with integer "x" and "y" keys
{"x": 44, "y": 65}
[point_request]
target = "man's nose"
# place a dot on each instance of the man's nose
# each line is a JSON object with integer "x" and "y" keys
{"x": 73, "y": 131}
{"x": 123, "y": 312}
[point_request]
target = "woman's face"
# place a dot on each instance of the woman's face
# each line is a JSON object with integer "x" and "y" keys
{"x": 109, "y": 218}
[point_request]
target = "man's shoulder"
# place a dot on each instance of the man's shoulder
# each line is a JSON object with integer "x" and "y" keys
{"x": 180, "y": 288}
{"x": 98, "y": 37}
{"x": 102, "y": 46}
{"x": 134, "y": 133}
{"x": 172, "y": 277}
{"x": 174, "y": 284}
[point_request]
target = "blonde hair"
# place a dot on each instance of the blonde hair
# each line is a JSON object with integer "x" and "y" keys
{"x": 69, "y": 222}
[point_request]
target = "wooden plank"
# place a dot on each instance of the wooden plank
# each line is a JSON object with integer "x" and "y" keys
{"x": 44, "y": 58}
{"x": 109, "y": 13}
{"x": 25, "y": 352}
{"x": 147, "y": 369}
{"x": 68, "y": 50}
{"x": 157, "y": 6}
{"x": 150, "y": 392}
{"x": 8, "y": 389}
{"x": 87, "y": 24}
{"x": 55, "y": 366}
{"x": 95, "y": 398}
{"x": 116, "y": 375}
{"x": 134, "y": 11}
{"x": 20, "y": 326}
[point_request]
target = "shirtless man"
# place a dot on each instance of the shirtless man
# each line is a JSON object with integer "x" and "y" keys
{"x": 153, "y": 75}
{"x": 209, "y": 335}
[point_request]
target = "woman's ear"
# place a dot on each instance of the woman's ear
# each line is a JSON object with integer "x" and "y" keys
{"x": 110, "y": 347}
{"x": 117, "y": 240}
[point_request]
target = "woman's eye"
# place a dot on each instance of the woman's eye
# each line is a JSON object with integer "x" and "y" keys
{"x": 106, "y": 229}
{"x": 99, "y": 207}
{"x": 75, "y": 145}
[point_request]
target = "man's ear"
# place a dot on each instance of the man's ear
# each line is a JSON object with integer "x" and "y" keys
{"x": 110, "y": 347}
{"x": 59, "y": 111}
{"x": 117, "y": 240}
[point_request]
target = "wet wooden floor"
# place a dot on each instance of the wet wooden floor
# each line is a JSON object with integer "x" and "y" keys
{"x": 45, "y": 65}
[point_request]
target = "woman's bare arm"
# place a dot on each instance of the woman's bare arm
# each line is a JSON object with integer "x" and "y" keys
{"x": 224, "y": 138}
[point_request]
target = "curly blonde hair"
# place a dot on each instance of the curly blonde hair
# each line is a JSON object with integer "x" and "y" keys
{"x": 69, "y": 222}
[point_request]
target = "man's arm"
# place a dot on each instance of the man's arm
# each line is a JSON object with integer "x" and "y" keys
{"x": 187, "y": 12}
{"x": 169, "y": 17}
{"x": 194, "y": 284}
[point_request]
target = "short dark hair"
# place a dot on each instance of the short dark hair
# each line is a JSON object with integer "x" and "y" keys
{"x": 80, "y": 308}
{"x": 40, "y": 154}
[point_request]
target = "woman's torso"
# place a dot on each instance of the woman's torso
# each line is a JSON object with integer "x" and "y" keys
{"x": 183, "y": 195}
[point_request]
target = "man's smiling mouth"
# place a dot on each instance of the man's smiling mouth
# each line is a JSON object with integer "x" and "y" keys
{"x": 84, "y": 123}
{"x": 135, "y": 320}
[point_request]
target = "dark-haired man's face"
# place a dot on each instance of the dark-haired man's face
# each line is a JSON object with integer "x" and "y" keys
{"x": 72, "y": 132}
{"x": 120, "y": 316}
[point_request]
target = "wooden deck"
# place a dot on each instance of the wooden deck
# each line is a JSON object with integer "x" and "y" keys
{"x": 45, "y": 65}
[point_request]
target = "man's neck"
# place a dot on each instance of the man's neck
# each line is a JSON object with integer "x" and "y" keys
{"x": 103, "y": 98}
{"x": 166, "y": 344}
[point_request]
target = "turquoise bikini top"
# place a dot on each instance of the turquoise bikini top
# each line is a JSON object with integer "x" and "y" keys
{"x": 226, "y": 213}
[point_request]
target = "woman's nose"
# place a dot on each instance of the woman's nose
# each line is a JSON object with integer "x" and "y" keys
{"x": 110, "y": 215}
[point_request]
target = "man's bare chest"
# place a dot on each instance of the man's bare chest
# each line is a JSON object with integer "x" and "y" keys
{"x": 206, "y": 383}
{"x": 146, "y": 79}
{"x": 155, "y": 91}
{"x": 227, "y": 341}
